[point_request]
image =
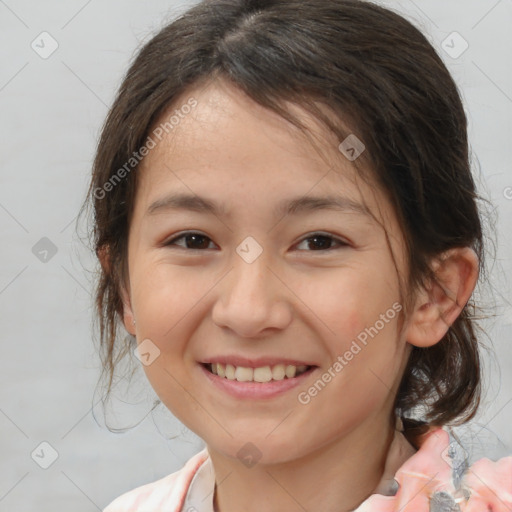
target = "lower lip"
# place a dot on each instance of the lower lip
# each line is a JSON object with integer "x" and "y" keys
{"x": 256, "y": 390}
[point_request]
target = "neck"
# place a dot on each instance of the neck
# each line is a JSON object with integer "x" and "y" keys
{"x": 333, "y": 478}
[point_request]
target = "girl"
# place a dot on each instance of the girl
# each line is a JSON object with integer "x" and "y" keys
{"x": 320, "y": 339}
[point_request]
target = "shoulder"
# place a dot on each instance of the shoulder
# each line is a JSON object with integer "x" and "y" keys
{"x": 168, "y": 493}
{"x": 436, "y": 476}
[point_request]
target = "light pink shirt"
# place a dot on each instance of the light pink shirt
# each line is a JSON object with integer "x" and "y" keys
{"x": 413, "y": 481}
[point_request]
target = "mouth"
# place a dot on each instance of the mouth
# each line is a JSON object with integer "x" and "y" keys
{"x": 261, "y": 374}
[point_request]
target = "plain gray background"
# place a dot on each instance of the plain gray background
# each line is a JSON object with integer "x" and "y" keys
{"x": 52, "y": 109}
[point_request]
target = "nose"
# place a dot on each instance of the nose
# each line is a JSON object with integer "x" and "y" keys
{"x": 252, "y": 299}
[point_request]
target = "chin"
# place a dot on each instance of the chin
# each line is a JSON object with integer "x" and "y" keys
{"x": 251, "y": 450}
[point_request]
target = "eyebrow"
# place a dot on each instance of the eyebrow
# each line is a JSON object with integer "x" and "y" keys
{"x": 292, "y": 206}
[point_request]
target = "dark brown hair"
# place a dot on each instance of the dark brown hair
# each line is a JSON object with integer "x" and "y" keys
{"x": 379, "y": 75}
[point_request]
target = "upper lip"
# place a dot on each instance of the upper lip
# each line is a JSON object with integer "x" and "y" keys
{"x": 255, "y": 362}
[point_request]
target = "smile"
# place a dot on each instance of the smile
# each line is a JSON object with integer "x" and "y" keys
{"x": 257, "y": 383}
{"x": 261, "y": 374}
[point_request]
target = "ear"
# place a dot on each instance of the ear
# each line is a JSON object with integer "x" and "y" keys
{"x": 440, "y": 303}
{"x": 128, "y": 317}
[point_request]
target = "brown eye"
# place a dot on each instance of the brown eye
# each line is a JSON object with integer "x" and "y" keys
{"x": 321, "y": 242}
{"x": 192, "y": 241}
{"x": 315, "y": 242}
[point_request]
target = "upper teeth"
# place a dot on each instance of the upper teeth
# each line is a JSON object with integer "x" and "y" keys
{"x": 262, "y": 374}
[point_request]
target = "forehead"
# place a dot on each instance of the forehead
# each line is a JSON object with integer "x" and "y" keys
{"x": 229, "y": 147}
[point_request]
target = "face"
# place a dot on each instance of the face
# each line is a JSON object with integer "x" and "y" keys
{"x": 256, "y": 284}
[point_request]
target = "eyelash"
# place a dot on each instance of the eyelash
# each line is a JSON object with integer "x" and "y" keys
{"x": 341, "y": 243}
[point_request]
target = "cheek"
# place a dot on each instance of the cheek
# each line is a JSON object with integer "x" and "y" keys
{"x": 372, "y": 358}
{"x": 353, "y": 320}
{"x": 358, "y": 310}
{"x": 162, "y": 300}
{"x": 349, "y": 301}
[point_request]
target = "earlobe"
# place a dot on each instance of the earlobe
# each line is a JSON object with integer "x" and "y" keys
{"x": 128, "y": 316}
{"x": 441, "y": 302}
